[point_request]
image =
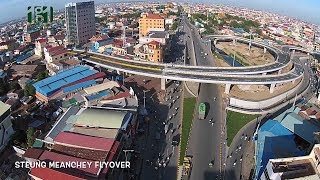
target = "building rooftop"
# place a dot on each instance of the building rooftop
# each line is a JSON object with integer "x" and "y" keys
{"x": 84, "y": 141}
{"x": 56, "y": 157}
{"x": 299, "y": 126}
{"x": 97, "y": 132}
{"x": 52, "y": 84}
{"x": 94, "y": 117}
{"x": 274, "y": 141}
{"x": 44, "y": 173}
{"x": 3, "y": 108}
{"x": 33, "y": 153}
{"x": 294, "y": 169}
{"x": 100, "y": 87}
{"x": 90, "y": 154}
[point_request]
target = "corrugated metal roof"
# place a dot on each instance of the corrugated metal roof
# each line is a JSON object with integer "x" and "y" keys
{"x": 52, "y": 84}
{"x": 52, "y": 156}
{"x": 299, "y": 126}
{"x": 3, "y": 108}
{"x": 78, "y": 86}
{"x": 83, "y": 141}
{"x": 94, "y": 117}
{"x": 100, "y": 87}
{"x": 51, "y": 174}
{"x": 97, "y": 96}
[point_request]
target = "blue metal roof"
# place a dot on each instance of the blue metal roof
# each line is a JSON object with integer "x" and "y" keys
{"x": 23, "y": 57}
{"x": 78, "y": 86}
{"x": 52, "y": 84}
{"x": 274, "y": 141}
{"x": 97, "y": 96}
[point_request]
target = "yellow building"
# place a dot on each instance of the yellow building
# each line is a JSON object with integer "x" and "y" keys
{"x": 155, "y": 51}
{"x": 150, "y": 22}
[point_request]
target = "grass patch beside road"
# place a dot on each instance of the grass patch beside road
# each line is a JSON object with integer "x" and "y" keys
{"x": 235, "y": 121}
{"x": 188, "y": 109}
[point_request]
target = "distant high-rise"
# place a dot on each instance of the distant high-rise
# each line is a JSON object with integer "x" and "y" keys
{"x": 80, "y": 20}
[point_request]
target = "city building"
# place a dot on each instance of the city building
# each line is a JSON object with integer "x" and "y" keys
{"x": 5, "y": 123}
{"x": 66, "y": 82}
{"x": 9, "y": 45}
{"x": 150, "y": 22}
{"x": 85, "y": 135}
{"x": 152, "y": 51}
{"x": 302, "y": 167}
{"x": 39, "y": 45}
{"x": 55, "y": 53}
{"x": 31, "y": 36}
{"x": 80, "y": 22}
{"x": 159, "y": 36}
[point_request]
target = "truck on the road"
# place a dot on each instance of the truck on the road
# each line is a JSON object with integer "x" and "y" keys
{"x": 186, "y": 168}
{"x": 202, "y": 111}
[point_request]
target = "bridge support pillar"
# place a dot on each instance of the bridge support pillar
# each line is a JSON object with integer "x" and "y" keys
{"x": 215, "y": 42}
{"x": 293, "y": 81}
{"x": 280, "y": 70}
{"x": 163, "y": 84}
{"x": 227, "y": 89}
{"x": 264, "y": 73}
{"x": 264, "y": 50}
{"x": 272, "y": 86}
{"x": 118, "y": 72}
{"x": 250, "y": 46}
{"x": 234, "y": 41}
{"x": 293, "y": 51}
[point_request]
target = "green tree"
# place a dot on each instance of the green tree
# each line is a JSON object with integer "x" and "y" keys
{"x": 174, "y": 26}
{"x": 30, "y": 136}
{"x": 29, "y": 90}
{"x": 14, "y": 85}
{"x": 42, "y": 75}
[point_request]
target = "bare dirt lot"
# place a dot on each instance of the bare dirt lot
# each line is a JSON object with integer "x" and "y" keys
{"x": 255, "y": 56}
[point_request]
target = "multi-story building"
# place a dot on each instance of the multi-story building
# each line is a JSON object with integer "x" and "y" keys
{"x": 6, "y": 129}
{"x": 152, "y": 51}
{"x": 9, "y": 45}
{"x": 303, "y": 167}
{"x": 56, "y": 53}
{"x": 80, "y": 22}
{"x": 150, "y": 22}
{"x": 31, "y": 35}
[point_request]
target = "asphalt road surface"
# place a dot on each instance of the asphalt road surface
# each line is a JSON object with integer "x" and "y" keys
{"x": 206, "y": 143}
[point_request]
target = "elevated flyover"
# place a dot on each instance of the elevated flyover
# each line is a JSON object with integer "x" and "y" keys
{"x": 200, "y": 74}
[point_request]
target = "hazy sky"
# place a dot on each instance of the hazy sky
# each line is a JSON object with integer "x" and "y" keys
{"x": 303, "y": 9}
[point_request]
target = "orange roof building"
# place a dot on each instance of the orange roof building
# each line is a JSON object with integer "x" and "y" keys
{"x": 150, "y": 22}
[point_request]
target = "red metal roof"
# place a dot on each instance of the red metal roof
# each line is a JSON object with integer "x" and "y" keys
{"x": 56, "y": 48}
{"x": 154, "y": 16}
{"x": 154, "y": 43}
{"x": 33, "y": 153}
{"x": 63, "y": 51}
{"x": 110, "y": 157}
{"x": 118, "y": 43}
{"x": 43, "y": 40}
{"x": 84, "y": 141}
{"x": 119, "y": 96}
{"x": 55, "y": 157}
{"x": 51, "y": 174}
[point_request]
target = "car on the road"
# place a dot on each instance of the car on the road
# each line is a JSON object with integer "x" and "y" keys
{"x": 166, "y": 128}
{"x": 235, "y": 163}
